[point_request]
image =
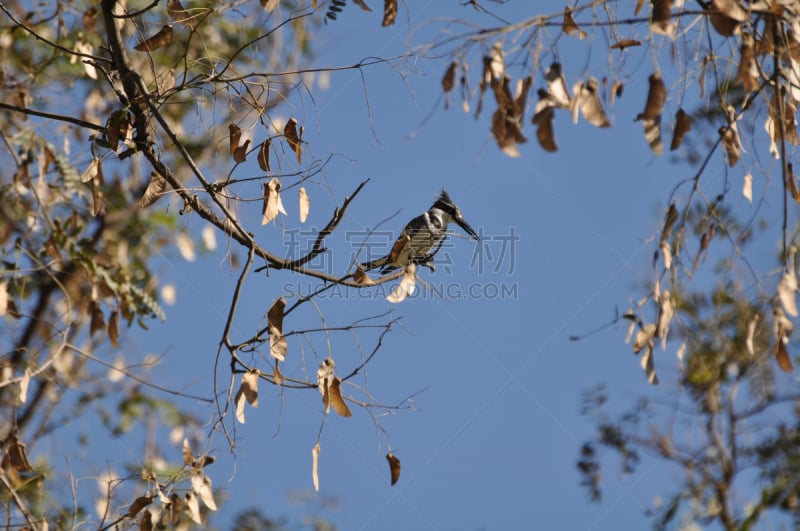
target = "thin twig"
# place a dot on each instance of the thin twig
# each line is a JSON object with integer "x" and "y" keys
{"x": 19, "y": 502}
{"x": 374, "y": 350}
{"x": 51, "y": 116}
{"x": 49, "y": 42}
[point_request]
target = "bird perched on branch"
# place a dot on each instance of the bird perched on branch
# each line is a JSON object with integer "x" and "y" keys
{"x": 420, "y": 239}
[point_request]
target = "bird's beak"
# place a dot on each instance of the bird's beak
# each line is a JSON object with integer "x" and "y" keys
{"x": 464, "y": 225}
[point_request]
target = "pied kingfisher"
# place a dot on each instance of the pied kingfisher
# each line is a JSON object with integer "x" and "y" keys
{"x": 419, "y": 240}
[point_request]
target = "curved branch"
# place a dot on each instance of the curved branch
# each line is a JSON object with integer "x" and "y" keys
{"x": 49, "y": 42}
{"x": 51, "y": 116}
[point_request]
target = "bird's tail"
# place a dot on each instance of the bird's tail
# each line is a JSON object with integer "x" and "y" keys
{"x": 380, "y": 262}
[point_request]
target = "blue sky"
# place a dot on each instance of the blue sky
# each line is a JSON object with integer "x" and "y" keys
{"x": 496, "y": 433}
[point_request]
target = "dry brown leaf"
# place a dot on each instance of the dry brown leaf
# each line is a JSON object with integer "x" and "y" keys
{"x": 176, "y": 507}
{"x": 787, "y": 287}
{"x": 336, "y": 400}
{"x": 772, "y": 32}
{"x": 361, "y": 278}
{"x": 665, "y": 312}
{"x": 89, "y": 19}
{"x": 666, "y": 252}
{"x": 644, "y": 337}
{"x": 234, "y": 136}
{"x": 394, "y": 467}
{"x": 448, "y": 82}
{"x": 250, "y": 386}
{"x": 557, "y": 86}
{"x": 751, "y": 334}
{"x": 188, "y": 458}
{"x": 113, "y": 328}
{"x": 180, "y": 15}
{"x": 263, "y": 156}
{"x": 201, "y": 485}
{"x": 747, "y": 187}
{"x": 639, "y": 6}
{"x": 277, "y": 377}
{"x": 660, "y": 18}
{"x": 305, "y": 204}
{"x": 782, "y": 356}
{"x": 785, "y": 115}
{"x": 248, "y": 392}
{"x": 507, "y": 119}
{"x": 449, "y": 79}
{"x": 240, "y": 153}
{"x": 587, "y": 100}
{"x": 616, "y": 91}
{"x": 701, "y": 79}
{"x": 543, "y": 120}
{"x": 747, "y": 75}
{"x": 94, "y": 169}
{"x": 315, "y": 466}
{"x": 155, "y": 188}
{"x": 389, "y": 12}
{"x": 4, "y": 298}
{"x": 504, "y": 135}
{"x": 269, "y": 5}
{"x": 656, "y": 97}
{"x": 192, "y": 507}
{"x": 705, "y": 240}
{"x": 726, "y": 16}
{"x": 275, "y": 316}
{"x": 272, "y": 205}
{"x": 239, "y": 401}
{"x": 277, "y": 341}
{"x": 406, "y": 286}
{"x": 669, "y": 222}
{"x": 625, "y": 43}
{"x": 138, "y": 504}
{"x": 652, "y": 133}
{"x": 569, "y": 26}
{"x": 84, "y": 47}
{"x": 363, "y": 5}
{"x": 325, "y": 375}
{"x": 648, "y": 365}
{"x": 278, "y": 347}
{"x": 159, "y": 40}
{"x": 783, "y": 326}
{"x": 683, "y": 124}
{"x": 116, "y": 127}
{"x": 651, "y": 117}
{"x": 97, "y": 319}
{"x": 97, "y": 196}
{"x": 733, "y": 146}
{"x": 146, "y": 523}
{"x": 293, "y": 138}
{"x": 16, "y": 456}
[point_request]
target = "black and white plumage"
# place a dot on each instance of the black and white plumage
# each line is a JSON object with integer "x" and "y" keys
{"x": 420, "y": 238}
